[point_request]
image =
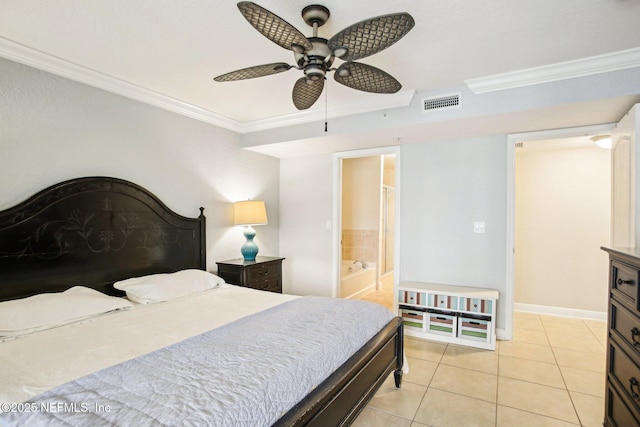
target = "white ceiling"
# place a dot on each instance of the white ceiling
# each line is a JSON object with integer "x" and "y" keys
{"x": 174, "y": 48}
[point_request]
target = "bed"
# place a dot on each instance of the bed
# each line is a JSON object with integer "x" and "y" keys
{"x": 98, "y": 231}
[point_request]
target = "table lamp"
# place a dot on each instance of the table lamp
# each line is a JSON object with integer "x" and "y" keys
{"x": 248, "y": 213}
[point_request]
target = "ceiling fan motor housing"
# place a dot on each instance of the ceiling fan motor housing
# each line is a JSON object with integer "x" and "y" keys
{"x": 316, "y": 61}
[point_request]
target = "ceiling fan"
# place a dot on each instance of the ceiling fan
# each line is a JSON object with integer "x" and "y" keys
{"x": 315, "y": 55}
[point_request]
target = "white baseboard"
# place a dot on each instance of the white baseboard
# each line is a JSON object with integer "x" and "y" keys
{"x": 362, "y": 292}
{"x": 560, "y": 311}
{"x": 501, "y": 334}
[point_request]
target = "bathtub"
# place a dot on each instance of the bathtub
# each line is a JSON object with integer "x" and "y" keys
{"x": 356, "y": 281}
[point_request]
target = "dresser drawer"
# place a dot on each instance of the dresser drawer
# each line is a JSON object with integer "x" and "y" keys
{"x": 626, "y": 325}
{"x": 262, "y": 272}
{"x": 624, "y": 280}
{"x": 625, "y": 373}
{"x": 617, "y": 412}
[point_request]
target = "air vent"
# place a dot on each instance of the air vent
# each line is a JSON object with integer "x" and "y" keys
{"x": 446, "y": 102}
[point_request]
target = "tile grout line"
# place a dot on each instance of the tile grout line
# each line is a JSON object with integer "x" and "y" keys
{"x": 546, "y": 329}
{"x": 575, "y": 410}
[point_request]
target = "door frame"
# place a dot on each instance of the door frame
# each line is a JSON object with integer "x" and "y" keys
{"x": 337, "y": 210}
{"x": 512, "y": 140}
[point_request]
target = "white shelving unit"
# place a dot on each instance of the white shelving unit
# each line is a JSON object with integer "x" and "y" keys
{"x": 453, "y": 314}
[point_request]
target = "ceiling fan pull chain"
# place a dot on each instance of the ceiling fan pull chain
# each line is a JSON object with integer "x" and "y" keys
{"x": 326, "y": 95}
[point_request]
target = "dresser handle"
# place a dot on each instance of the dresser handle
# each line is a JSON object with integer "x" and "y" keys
{"x": 622, "y": 282}
{"x": 634, "y": 333}
{"x": 633, "y": 382}
{"x": 264, "y": 273}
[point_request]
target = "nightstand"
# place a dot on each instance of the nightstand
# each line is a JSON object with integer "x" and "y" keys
{"x": 265, "y": 273}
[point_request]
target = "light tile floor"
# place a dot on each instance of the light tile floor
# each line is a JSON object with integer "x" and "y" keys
{"x": 383, "y": 296}
{"x": 551, "y": 374}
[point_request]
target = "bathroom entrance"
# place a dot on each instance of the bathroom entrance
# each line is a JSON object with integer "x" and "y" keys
{"x": 367, "y": 238}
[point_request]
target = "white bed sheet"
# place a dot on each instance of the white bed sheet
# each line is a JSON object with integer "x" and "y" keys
{"x": 34, "y": 363}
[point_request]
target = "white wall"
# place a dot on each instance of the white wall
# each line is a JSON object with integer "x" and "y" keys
{"x": 563, "y": 216}
{"x": 53, "y": 129}
{"x": 306, "y": 204}
{"x": 625, "y": 222}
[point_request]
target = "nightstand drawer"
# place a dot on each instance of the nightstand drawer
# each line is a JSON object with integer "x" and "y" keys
{"x": 272, "y": 285}
{"x": 262, "y": 272}
{"x": 265, "y": 273}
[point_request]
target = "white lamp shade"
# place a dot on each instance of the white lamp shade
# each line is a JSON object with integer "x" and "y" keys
{"x": 249, "y": 212}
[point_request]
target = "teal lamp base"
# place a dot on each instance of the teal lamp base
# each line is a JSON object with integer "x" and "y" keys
{"x": 249, "y": 249}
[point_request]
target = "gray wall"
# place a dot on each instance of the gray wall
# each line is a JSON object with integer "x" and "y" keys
{"x": 445, "y": 187}
{"x": 53, "y": 129}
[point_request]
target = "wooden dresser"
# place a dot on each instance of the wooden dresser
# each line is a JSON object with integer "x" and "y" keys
{"x": 265, "y": 273}
{"x": 622, "y": 395}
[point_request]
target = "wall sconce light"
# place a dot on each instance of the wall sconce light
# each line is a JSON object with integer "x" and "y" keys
{"x": 603, "y": 141}
{"x": 248, "y": 213}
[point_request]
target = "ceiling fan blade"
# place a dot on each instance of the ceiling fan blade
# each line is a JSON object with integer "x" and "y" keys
{"x": 371, "y": 35}
{"x": 366, "y": 78}
{"x": 273, "y": 27}
{"x": 253, "y": 72}
{"x": 306, "y": 92}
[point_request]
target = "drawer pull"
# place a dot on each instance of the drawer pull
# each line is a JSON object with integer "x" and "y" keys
{"x": 622, "y": 282}
{"x": 634, "y": 333}
{"x": 633, "y": 382}
{"x": 264, "y": 273}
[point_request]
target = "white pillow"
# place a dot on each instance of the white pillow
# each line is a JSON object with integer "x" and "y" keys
{"x": 44, "y": 311}
{"x": 164, "y": 287}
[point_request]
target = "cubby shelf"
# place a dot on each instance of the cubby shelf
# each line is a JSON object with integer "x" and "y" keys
{"x": 452, "y": 314}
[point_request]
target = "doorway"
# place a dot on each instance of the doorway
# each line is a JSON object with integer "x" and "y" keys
{"x": 515, "y": 141}
{"x": 365, "y": 238}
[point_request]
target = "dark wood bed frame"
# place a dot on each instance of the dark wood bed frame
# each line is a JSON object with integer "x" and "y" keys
{"x": 97, "y": 230}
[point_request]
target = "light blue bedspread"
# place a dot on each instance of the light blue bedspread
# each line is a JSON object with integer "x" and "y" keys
{"x": 247, "y": 373}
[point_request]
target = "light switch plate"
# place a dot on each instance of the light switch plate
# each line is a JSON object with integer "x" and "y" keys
{"x": 478, "y": 227}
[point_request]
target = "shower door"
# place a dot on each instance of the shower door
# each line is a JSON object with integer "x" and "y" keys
{"x": 388, "y": 221}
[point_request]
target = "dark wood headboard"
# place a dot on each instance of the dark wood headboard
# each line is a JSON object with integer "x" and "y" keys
{"x": 92, "y": 232}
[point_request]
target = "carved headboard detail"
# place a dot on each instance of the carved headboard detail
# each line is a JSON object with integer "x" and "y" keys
{"x": 92, "y": 232}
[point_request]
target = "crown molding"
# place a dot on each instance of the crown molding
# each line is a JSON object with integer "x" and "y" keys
{"x": 35, "y": 58}
{"x": 366, "y": 105}
{"x": 615, "y": 61}
{"x": 52, "y": 64}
